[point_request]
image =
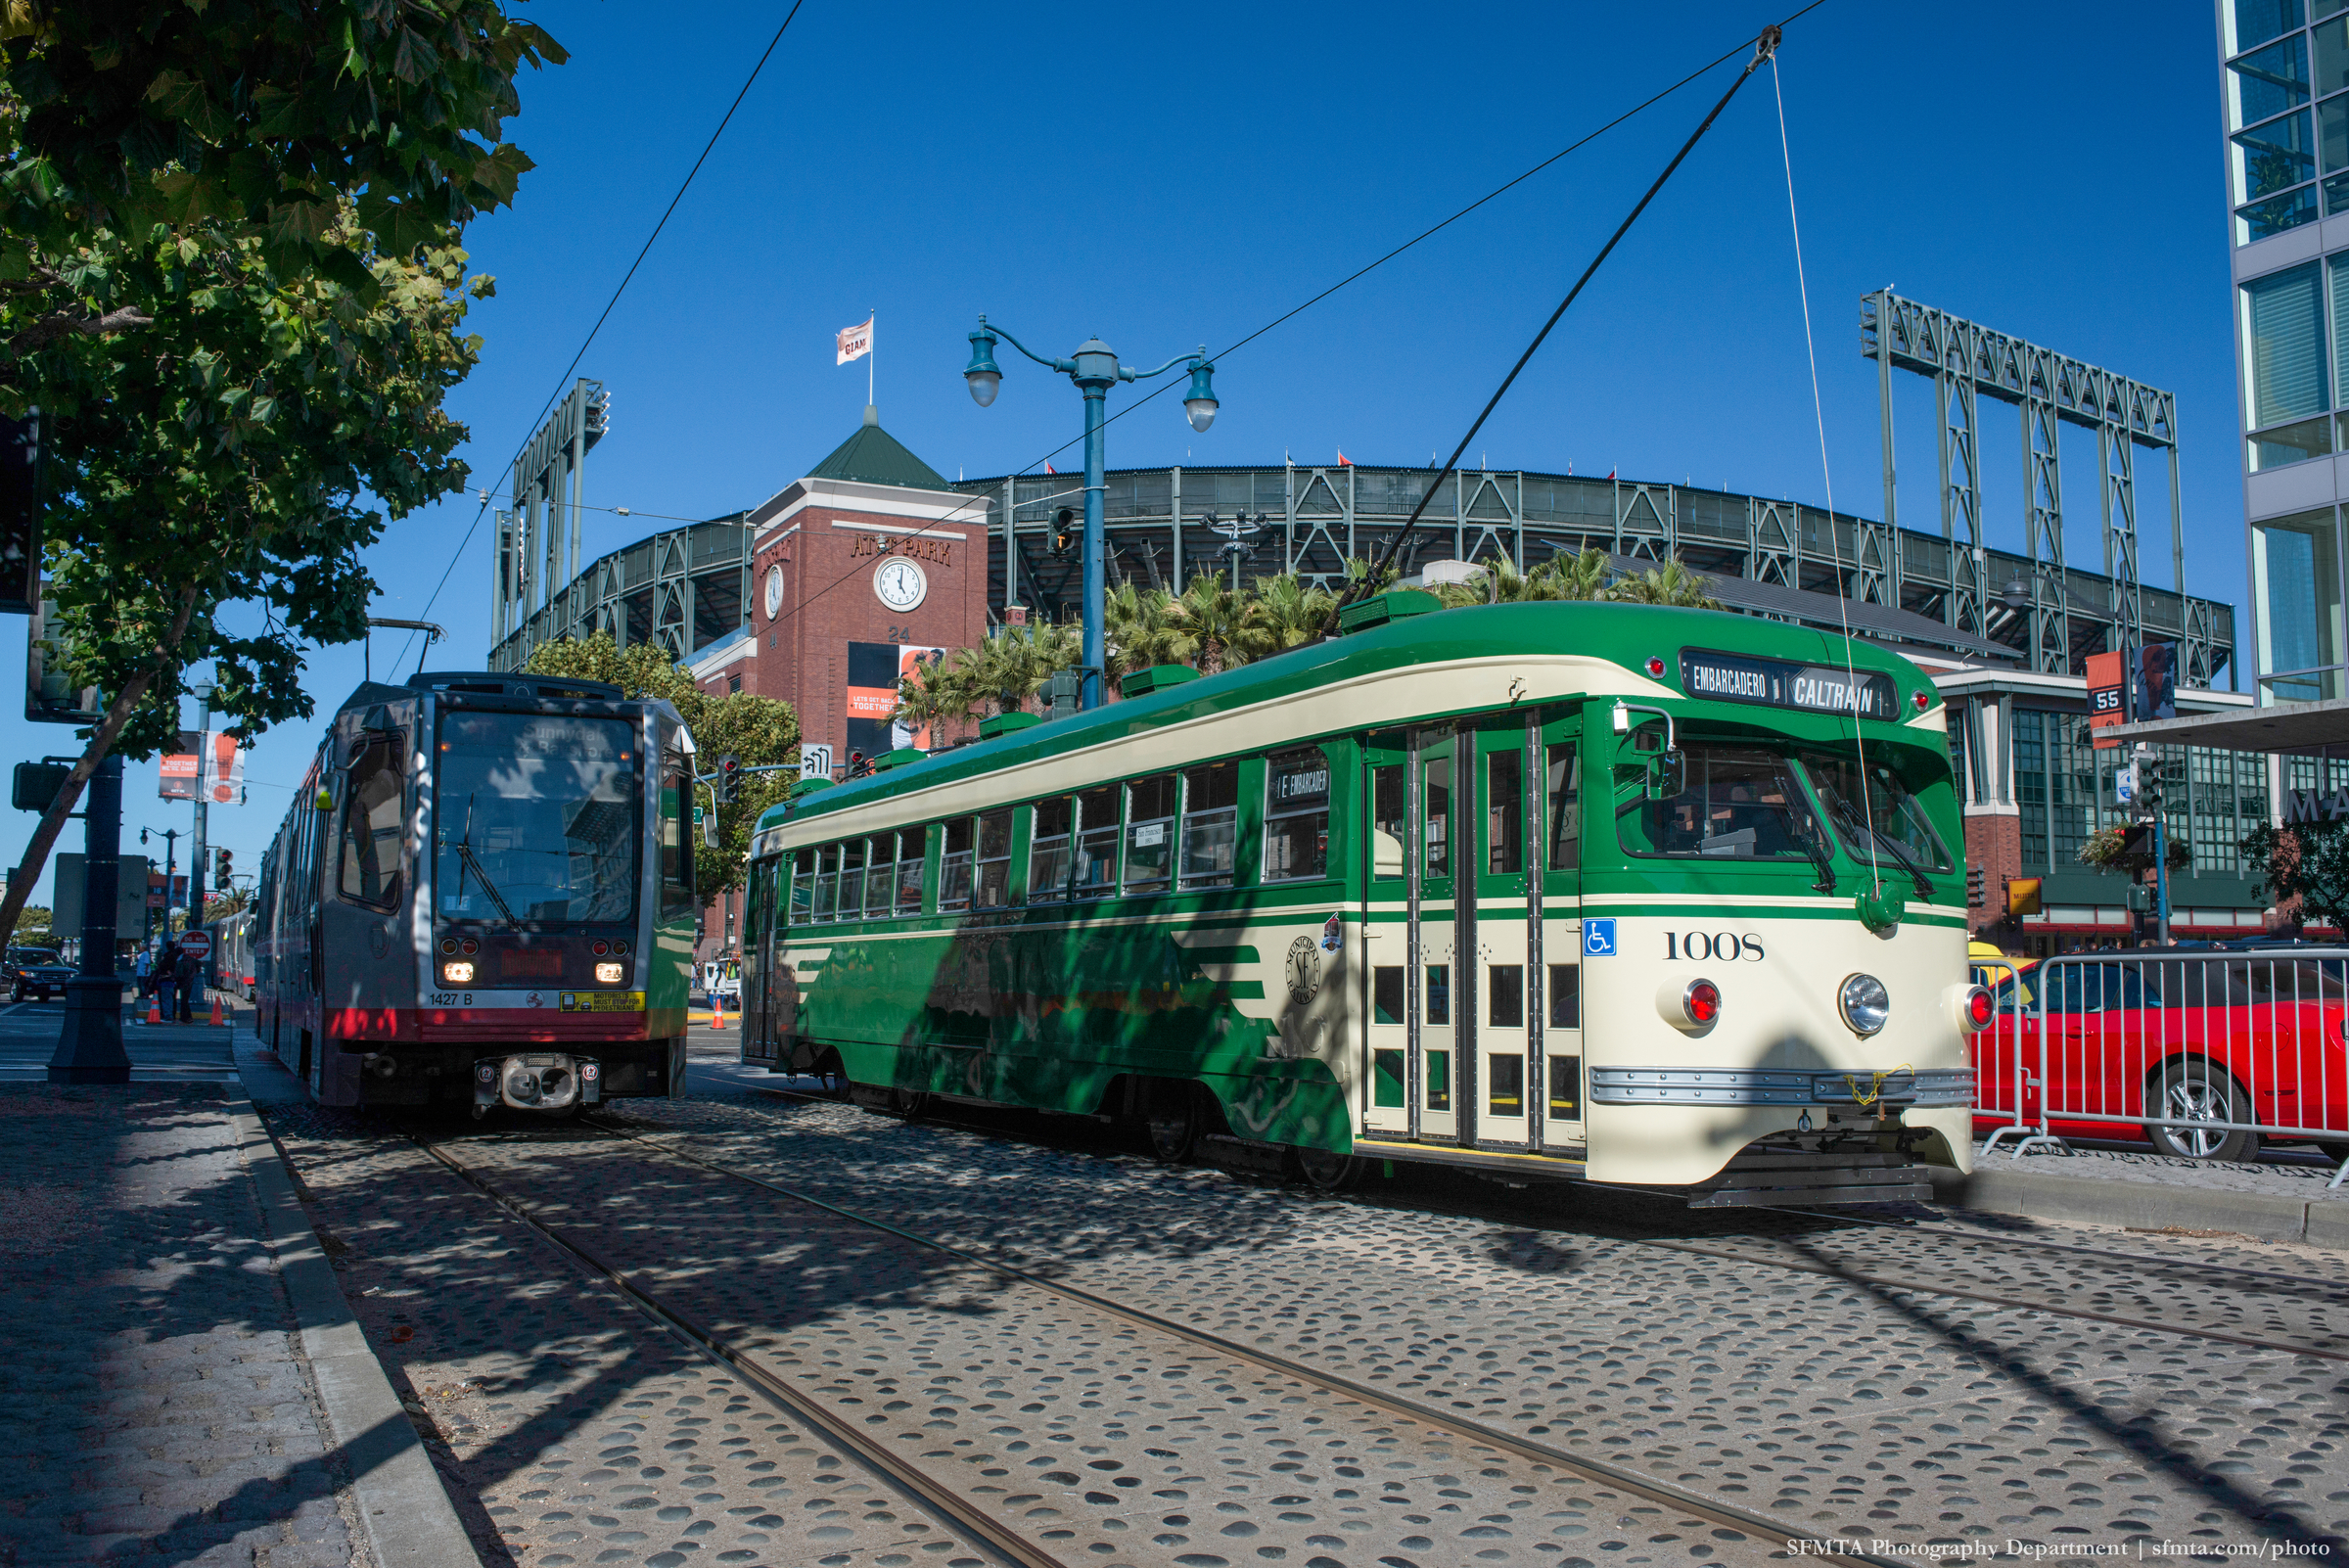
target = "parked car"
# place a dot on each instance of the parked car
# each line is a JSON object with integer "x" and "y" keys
{"x": 2263, "y": 1038}
{"x": 37, "y": 973}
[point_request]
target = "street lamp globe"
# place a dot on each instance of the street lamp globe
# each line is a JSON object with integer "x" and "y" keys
{"x": 983, "y": 375}
{"x": 1199, "y": 404}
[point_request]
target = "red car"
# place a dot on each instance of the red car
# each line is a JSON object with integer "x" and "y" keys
{"x": 2225, "y": 1039}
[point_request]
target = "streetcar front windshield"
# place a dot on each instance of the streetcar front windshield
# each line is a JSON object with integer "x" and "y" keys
{"x": 536, "y": 818}
{"x": 1875, "y": 813}
{"x": 1734, "y": 803}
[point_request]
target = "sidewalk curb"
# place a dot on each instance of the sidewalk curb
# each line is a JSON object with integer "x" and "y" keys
{"x": 2151, "y": 1206}
{"x": 409, "y": 1520}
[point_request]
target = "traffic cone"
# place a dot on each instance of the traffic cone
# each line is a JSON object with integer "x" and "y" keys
{"x": 155, "y": 1011}
{"x": 718, "y": 1012}
{"x": 216, "y": 1012}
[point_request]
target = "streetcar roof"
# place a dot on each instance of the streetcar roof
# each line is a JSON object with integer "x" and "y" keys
{"x": 1427, "y": 666}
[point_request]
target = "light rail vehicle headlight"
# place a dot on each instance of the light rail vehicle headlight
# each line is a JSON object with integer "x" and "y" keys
{"x": 607, "y": 974}
{"x": 457, "y": 974}
{"x": 1866, "y": 1005}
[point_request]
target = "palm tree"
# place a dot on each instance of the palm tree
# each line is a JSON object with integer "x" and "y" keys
{"x": 1581, "y": 577}
{"x": 1143, "y": 631}
{"x": 1673, "y": 584}
{"x": 1211, "y": 615}
{"x": 1284, "y": 613}
{"x": 999, "y": 675}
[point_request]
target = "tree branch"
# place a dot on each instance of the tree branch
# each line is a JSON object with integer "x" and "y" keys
{"x": 66, "y": 323}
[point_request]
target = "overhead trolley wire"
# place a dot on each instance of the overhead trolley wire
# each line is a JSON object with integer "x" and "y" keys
{"x": 1429, "y": 232}
{"x": 666, "y": 213}
{"x": 1765, "y": 47}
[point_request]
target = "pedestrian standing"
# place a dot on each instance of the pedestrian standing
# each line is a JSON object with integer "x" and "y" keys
{"x": 184, "y": 973}
{"x": 164, "y": 984}
{"x": 144, "y": 968}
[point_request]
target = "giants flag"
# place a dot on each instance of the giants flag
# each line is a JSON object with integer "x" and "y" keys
{"x": 855, "y": 342}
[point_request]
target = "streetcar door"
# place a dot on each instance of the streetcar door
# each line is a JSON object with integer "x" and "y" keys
{"x": 1386, "y": 937}
{"x": 1557, "y": 1077}
{"x": 1495, "y": 852}
{"x": 1438, "y": 1087}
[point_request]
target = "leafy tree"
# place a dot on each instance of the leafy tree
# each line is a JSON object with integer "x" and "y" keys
{"x": 2107, "y": 848}
{"x": 758, "y": 730}
{"x": 2310, "y": 861}
{"x": 32, "y": 928}
{"x": 230, "y": 282}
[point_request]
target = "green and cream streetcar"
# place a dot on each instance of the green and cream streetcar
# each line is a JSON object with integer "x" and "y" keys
{"x": 1592, "y": 890}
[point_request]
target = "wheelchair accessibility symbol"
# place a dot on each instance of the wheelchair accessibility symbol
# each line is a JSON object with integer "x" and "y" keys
{"x": 1598, "y": 939}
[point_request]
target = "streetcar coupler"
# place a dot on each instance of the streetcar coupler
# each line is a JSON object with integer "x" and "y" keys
{"x": 539, "y": 1081}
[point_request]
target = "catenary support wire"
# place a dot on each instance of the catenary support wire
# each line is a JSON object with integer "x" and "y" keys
{"x": 1765, "y": 47}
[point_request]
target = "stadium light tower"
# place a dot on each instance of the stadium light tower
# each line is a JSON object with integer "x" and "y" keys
{"x": 1094, "y": 368}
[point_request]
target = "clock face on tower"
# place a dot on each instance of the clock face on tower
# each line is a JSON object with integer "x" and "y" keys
{"x": 901, "y": 584}
{"x": 774, "y": 591}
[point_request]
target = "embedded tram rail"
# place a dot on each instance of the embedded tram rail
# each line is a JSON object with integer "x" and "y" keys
{"x": 1442, "y": 1452}
{"x": 1798, "y": 1240}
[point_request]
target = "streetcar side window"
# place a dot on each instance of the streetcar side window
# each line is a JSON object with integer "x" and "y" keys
{"x": 913, "y": 844}
{"x": 372, "y": 813}
{"x": 1211, "y": 822}
{"x": 1565, "y": 807}
{"x": 881, "y": 876}
{"x": 802, "y": 887}
{"x": 851, "y": 879}
{"x": 827, "y": 882}
{"x": 955, "y": 865}
{"x": 1296, "y": 815}
{"x": 1387, "y": 820}
{"x": 994, "y": 859}
{"x": 1505, "y": 799}
{"x": 1435, "y": 804}
{"x": 676, "y": 837}
{"x": 1150, "y": 833}
{"x": 1097, "y": 841}
{"x": 1048, "y": 851}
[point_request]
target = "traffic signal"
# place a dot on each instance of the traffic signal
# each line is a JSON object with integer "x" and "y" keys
{"x": 220, "y": 877}
{"x": 2022, "y": 897}
{"x": 729, "y": 778}
{"x": 36, "y": 784}
{"x": 1064, "y": 530}
{"x": 1977, "y": 892}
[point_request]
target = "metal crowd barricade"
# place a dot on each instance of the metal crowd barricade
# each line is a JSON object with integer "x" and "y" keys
{"x": 2194, "y": 1047}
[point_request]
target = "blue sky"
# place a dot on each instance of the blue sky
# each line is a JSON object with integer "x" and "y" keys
{"x": 1171, "y": 176}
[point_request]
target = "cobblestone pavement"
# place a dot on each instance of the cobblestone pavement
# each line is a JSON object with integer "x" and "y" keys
{"x": 1837, "y": 1406}
{"x": 153, "y": 1407}
{"x": 588, "y": 1436}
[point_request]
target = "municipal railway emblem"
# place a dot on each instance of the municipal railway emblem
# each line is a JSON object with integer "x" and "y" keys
{"x": 1304, "y": 970}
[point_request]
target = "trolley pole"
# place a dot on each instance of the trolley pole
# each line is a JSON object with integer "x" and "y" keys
{"x": 89, "y": 1048}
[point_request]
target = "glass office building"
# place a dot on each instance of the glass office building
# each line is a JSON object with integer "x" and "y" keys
{"x": 2287, "y": 167}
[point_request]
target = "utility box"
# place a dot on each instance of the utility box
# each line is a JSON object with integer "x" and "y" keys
{"x": 131, "y": 896}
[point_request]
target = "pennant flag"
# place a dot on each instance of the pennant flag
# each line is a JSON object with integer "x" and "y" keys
{"x": 1343, "y": 460}
{"x": 855, "y": 342}
{"x": 1610, "y": 472}
{"x": 1050, "y": 469}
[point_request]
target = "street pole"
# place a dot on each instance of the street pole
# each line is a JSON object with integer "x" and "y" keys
{"x": 89, "y": 1048}
{"x": 203, "y": 756}
{"x": 2161, "y": 880}
{"x": 1095, "y": 369}
{"x": 1096, "y": 372}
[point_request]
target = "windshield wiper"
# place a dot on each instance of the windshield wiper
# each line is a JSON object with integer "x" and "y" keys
{"x": 466, "y": 857}
{"x": 1813, "y": 846}
{"x": 1891, "y": 846}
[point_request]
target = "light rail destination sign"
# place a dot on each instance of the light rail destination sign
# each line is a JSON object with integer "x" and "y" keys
{"x": 1777, "y": 683}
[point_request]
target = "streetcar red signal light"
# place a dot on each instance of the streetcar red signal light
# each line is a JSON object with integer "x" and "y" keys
{"x": 1701, "y": 1001}
{"x": 468, "y": 947}
{"x": 600, "y": 948}
{"x": 1979, "y": 1008}
{"x": 1655, "y": 667}
{"x": 1922, "y": 701}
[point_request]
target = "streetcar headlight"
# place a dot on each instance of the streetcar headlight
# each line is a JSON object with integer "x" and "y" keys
{"x": 459, "y": 973}
{"x": 1866, "y": 1005}
{"x": 607, "y": 974}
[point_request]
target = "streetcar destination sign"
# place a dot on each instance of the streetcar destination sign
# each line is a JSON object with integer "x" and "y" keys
{"x": 1778, "y": 683}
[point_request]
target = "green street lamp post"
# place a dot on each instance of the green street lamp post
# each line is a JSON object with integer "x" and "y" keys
{"x": 1094, "y": 368}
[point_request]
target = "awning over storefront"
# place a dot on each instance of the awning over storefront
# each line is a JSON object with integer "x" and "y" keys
{"x": 2311, "y": 728}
